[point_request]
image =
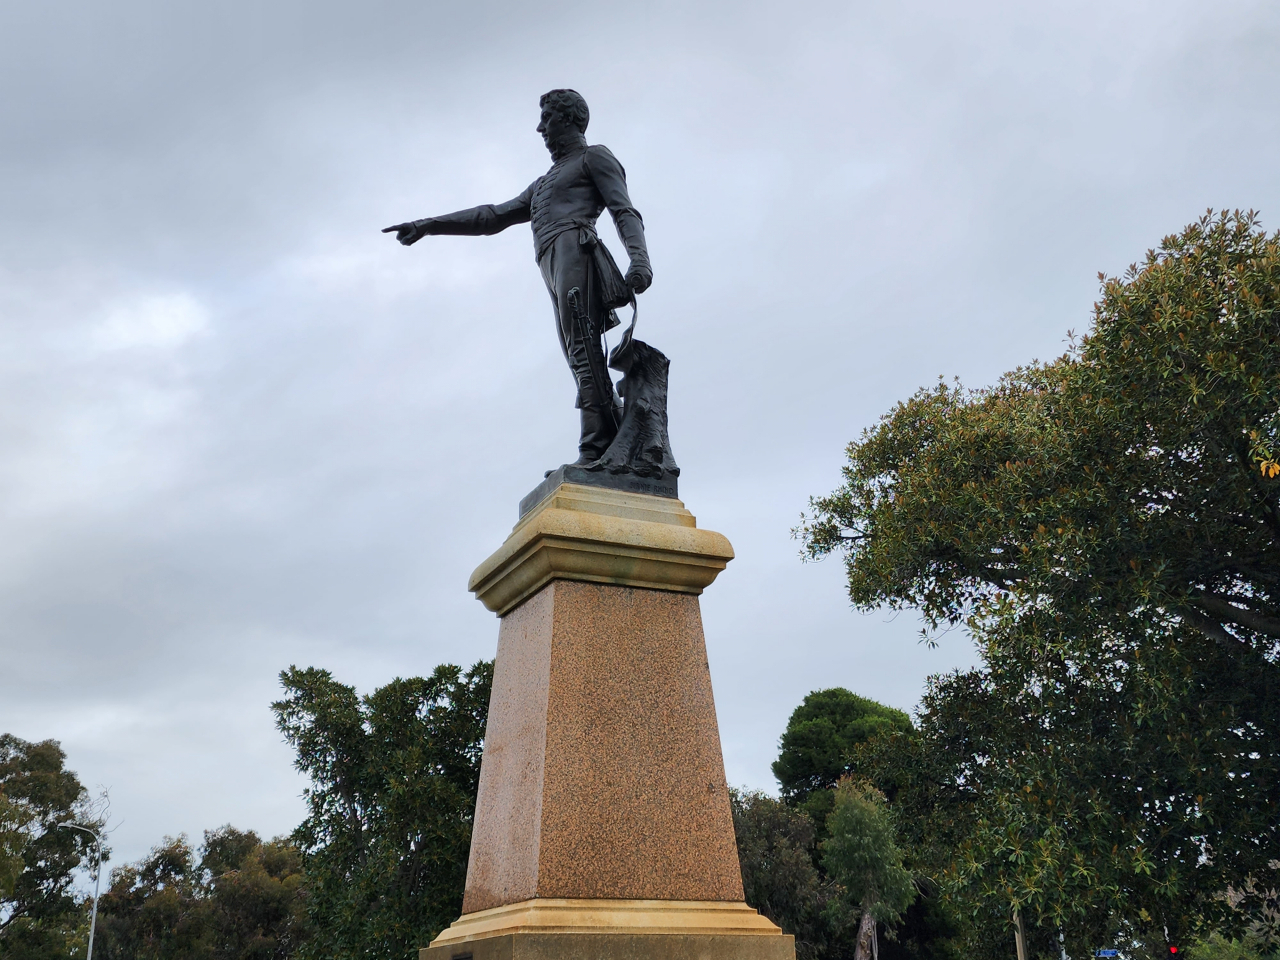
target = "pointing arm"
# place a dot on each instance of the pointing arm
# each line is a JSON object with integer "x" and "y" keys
{"x": 484, "y": 220}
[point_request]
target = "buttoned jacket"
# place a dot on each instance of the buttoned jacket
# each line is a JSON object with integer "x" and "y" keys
{"x": 569, "y": 196}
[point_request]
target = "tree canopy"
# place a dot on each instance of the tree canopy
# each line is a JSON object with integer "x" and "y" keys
{"x": 39, "y": 913}
{"x": 776, "y": 847}
{"x": 1136, "y": 473}
{"x": 815, "y": 748}
{"x": 1107, "y": 525}
{"x": 783, "y": 844}
{"x": 394, "y": 776}
{"x": 238, "y": 901}
{"x": 862, "y": 854}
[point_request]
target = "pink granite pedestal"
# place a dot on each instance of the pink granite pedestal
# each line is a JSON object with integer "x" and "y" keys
{"x": 602, "y": 825}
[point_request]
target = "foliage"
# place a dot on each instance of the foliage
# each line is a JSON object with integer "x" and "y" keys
{"x": 779, "y": 842}
{"x": 155, "y": 909}
{"x": 12, "y": 840}
{"x": 815, "y": 747}
{"x": 934, "y": 805}
{"x": 256, "y": 897}
{"x": 1217, "y": 947}
{"x": 861, "y": 853}
{"x": 1108, "y": 528}
{"x": 928, "y": 930}
{"x": 39, "y": 915}
{"x": 392, "y": 796}
{"x": 824, "y": 738}
{"x": 241, "y": 901}
{"x": 779, "y": 878}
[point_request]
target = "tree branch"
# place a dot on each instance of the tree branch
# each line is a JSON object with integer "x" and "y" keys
{"x": 1222, "y": 608}
{"x": 1213, "y": 630}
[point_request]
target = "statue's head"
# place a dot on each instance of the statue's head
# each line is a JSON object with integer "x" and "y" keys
{"x": 563, "y": 111}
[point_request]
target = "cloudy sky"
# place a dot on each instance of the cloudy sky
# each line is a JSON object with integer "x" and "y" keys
{"x": 241, "y": 429}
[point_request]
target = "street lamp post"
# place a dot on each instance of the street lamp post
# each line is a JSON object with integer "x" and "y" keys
{"x": 97, "y": 880}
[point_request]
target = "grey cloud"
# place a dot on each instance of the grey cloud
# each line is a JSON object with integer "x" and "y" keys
{"x": 242, "y": 429}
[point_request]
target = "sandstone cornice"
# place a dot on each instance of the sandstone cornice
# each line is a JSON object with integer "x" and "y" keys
{"x": 600, "y": 535}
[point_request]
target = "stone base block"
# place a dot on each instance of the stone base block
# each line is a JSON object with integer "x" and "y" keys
{"x": 603, "y": 946}
{"x": 626, "y": 482}
{"x": 600, "y": 535}
{"x": 602, "y": 777}
{"x": 559, "y": 929}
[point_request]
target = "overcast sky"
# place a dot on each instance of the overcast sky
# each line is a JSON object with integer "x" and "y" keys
{"x": 241, "y": 429}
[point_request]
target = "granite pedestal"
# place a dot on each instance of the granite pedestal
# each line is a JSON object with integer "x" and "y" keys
{"x": 602, "y": 825}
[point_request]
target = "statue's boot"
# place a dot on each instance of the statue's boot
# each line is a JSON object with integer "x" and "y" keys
{"x": 598, "y": 431}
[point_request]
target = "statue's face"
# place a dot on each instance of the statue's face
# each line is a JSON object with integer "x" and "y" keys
{"x": 553, "y": 125}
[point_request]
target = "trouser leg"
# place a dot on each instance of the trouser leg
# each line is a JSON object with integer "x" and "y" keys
{"x": 566, "y": 266}
{"x": 598, "y": 431}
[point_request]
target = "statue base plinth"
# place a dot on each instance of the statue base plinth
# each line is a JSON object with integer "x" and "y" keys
{"x": 601, "y": 535}
{"x": 602, "y": 828}
{"x": 626, "y": 482}
{"x": 547, "y": 929}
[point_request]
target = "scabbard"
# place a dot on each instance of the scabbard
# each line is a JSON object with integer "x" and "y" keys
{"x": 590, "y": 339}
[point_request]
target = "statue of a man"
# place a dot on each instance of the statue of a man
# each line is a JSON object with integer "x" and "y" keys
{"x": 563, "y": 206}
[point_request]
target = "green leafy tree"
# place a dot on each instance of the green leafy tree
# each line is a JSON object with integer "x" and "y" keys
{"x": 392, "y": 797}
{"x": 952, "y": 784}
{"x": 920, "y": 773}
{"x": 862, "y": 854}
{"x": 255, "y": 894}
{"x": 241, "y": 901}
{"x": 1217, "y": 947}
{"x": 816, "y": 746}
{"x": 12, "y": 840}
{"x": 776, "y": 846}
{"x": 1107, "y": 526}
{"x": 821, "y": 744}
{"x": 156, "y": 909}
{"x": 40, "y": 916}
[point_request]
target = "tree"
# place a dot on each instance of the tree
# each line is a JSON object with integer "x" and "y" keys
{"x": 393, "y": 788}
{"x": 816, "y": 746}
{"x": 12, "y": 840}
{"x": 955, "y": 786}
{"x": 1107, "y": 526}
{"x": 1217, "y": 947}
{"x": 863, "y": 855}
{"x": 776, "y": 847}
{"x": 821, "y": 745}
{"x": 240, "y": 901}
{"x": 156, "y": 909}
{"x": 39, "y": 914}
{"x": 256, "y": 898}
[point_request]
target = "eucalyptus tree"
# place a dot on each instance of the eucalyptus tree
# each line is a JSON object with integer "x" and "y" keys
{"x": 40, "y": 913}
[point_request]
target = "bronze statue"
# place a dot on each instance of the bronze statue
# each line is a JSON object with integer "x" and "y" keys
{"x": 585, "y": 283}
